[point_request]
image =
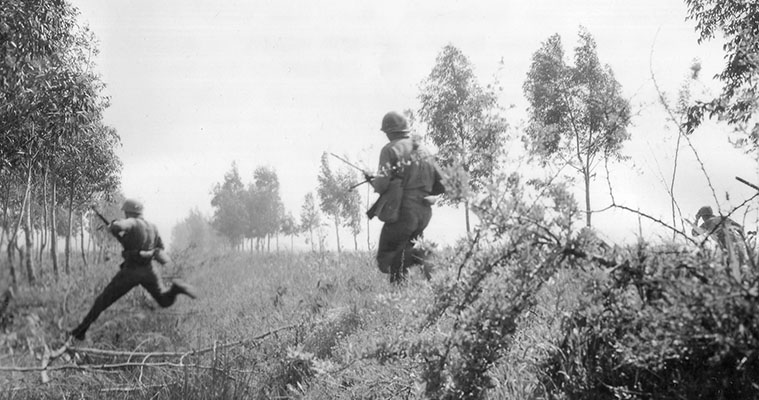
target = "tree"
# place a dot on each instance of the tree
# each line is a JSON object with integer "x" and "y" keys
{"x": 736, "y": 21}
{"x": 310, "y": 218}
{"x": 264, "y": 205}
{"x": 229, "y": 209}
{"x": 462, "y": 119}
{"x": 336, "y": 200}
{"x": 577, "y": 114}
{"x": 289, "y": 227}
{"x": 194, "y": 232}
{"x": 50, "y": 101}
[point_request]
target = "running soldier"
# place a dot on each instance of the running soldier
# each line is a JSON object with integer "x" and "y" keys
{"x": 404, "y": 159}
{"x": 142, "y": 244}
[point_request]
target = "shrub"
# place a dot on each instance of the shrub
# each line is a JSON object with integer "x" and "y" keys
{"x": 666, "y": 323}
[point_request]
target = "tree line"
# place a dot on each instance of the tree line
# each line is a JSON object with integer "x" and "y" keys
{"x": 57, "y": 156}
{"x": 254, "y": 214}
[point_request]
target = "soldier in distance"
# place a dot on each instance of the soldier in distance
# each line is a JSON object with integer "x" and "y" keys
{"x": 142, "y": 244}
{"x": 406, "y": 162}
{"x": 718, "y": 226}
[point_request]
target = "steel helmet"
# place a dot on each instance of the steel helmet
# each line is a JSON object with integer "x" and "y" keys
{"x": 704, "y": 212}
{"x": 133, "y": 206}
{"x": 394, "y": 122}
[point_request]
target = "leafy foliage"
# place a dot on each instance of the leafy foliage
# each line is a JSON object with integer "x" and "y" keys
{"x": 578, "y": 116}
{"x": 736, "y": 21}
{"x": 229, "y": 207}
{"x": 337, "y": 200}
{"x": 462, "y": 119}
{"x": 664, "y": 322}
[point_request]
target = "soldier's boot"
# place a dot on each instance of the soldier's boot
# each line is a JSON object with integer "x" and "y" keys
{"x": 185, "y": 289}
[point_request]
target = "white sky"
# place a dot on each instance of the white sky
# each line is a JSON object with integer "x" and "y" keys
{"x": 195, "y": 85}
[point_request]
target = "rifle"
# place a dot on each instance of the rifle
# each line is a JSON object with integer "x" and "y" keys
{"x": 105, "y": 221}
{"x": 368, "y": 178}
{"x": 102, "y": 218}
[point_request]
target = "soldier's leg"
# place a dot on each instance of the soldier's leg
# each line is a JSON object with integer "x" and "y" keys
{"x": 120, "y": 284}
{"x": 165, "y": 297}
{"x": 395, "y": 240}
{"x": 414, "y": 255}
{"x": 151, "y": 281}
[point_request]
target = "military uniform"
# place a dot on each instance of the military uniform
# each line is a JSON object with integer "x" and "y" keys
{"x": 142, "y": 244}
{"x": 724, "y": 229}
{"x": 405, "y": 159}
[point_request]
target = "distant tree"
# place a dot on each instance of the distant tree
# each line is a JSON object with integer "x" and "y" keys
{"x": 230, "y": 215}
{"x": 289, "y": 227}
{"x": 310, "y": 218}
{"x": 353, "y": 215}
{"x": 462, "y": 119}
{"x": 336, "y": 200}
{"x": 194, "y": 232}
{"x": 267, "y": 187}
{"x": 577, "y": 113}
{"x": 735, "y": 21}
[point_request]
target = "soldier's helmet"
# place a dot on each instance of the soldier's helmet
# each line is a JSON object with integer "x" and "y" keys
{"x": 704, "y": 212}
{"x": 394, "y": 122}
{"x": 133, "y": 206}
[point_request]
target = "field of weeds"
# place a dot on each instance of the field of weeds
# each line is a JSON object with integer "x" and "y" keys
{"x": 277, "y": 325}
{"x": 504, "y": 318}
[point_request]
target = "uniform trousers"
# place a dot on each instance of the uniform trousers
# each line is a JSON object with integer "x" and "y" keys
{"x": 129, "y": 276}
{"x": 394, "y": 251}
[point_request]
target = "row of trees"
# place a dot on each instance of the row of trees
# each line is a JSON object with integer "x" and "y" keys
{"x": 256, "y": 213}
{"x": 56, "y": 154}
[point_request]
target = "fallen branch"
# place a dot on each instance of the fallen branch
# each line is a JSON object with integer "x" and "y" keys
{"x": 49, "y": 357}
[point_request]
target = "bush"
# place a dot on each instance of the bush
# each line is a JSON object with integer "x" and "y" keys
{"x": 665, "y": 323}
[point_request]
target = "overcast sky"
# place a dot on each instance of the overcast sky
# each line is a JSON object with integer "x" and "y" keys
{"x": 196, "y": 85}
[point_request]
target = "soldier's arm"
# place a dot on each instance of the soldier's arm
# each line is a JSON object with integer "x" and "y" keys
{"x": 384, "y": 174}
{"x": 160, "y": 254}
{"x": 119, "y": 226}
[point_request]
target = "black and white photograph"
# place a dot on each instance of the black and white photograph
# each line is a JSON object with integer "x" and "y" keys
{"x": 354, "y": 199}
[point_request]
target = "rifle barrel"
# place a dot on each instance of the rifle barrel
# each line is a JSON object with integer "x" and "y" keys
{"x": 346, "y": 161}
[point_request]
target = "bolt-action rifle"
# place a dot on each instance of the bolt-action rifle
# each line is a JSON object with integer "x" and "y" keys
{"x": 105, "y": 222}
{"x": 368, "y": 178}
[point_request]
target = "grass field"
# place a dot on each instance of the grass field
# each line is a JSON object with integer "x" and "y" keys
{"x": 521, "y": 324}
{"x": 327, "y": 312}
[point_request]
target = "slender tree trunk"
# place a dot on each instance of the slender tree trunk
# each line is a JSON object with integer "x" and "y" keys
{"x": 586, "y": 176}
{"x": 67, "y": 263}
{"x": 466, "y": 216}
{"x": 29, "y": 236}
{"x": 4, "y": 231}
{"x": 43, "y": 231}
{"x": 10, "y": 252}
{"x": 54, "y": 228}
{"x": 81, "y": 238}
{"x": 337, "y": 232}
{"x": 355, "y": 242}
{"x": 368, "y": 235}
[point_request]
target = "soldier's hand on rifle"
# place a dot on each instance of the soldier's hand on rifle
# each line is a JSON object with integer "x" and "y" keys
{"x": 368, "y": 175}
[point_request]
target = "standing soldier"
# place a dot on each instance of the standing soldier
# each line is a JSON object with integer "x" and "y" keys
{"x": 727, "y": 233}
{"x": 724, "y": 229}
{"x": 142, "y": 244}
{"x": 406, "y": 162}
